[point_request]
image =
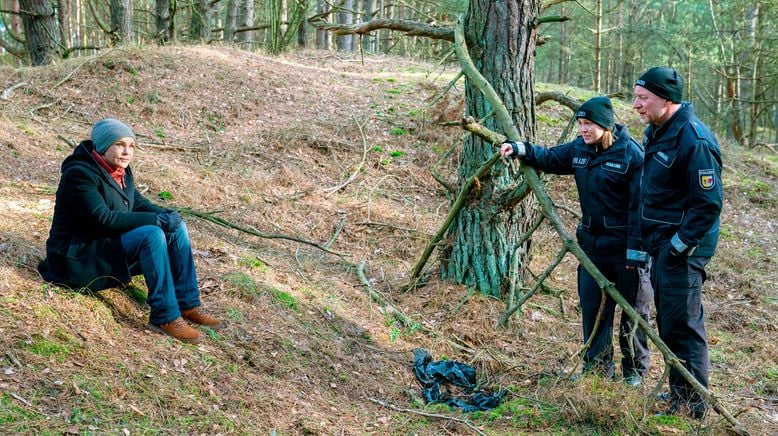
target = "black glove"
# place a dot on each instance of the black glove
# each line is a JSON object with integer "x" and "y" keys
{"x": 169, "y": 221}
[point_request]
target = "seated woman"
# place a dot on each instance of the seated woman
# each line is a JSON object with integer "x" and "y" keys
{"x": 607, "y": 165}
{"x": 104, "y": 232}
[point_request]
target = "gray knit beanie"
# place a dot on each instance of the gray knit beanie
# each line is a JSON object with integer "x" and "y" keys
{"x": 107, "y": 131}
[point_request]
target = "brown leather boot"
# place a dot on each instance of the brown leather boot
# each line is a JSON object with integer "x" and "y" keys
{"x": 179, "y": 329}
{"x": 198, "y": 316}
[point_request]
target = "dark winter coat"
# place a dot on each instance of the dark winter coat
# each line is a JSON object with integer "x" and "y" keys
{"x": 90, "y": 214}
{"x": 682, "y": 192}
{"x": 608, "y": 189}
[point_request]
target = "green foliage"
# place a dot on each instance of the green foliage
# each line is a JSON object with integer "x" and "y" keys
{"x": 159, "y": 132}
{"x": 397, "y": 131}
{"x": 397, "y": 153}
{"x": 165, "y": 196}
{"x": 253, "y": 262}
{"x": 286, "y": 299}
{"x": 152, "y": 97}
{"x": 47, "y": 347}
{"x": 243, "y": 284}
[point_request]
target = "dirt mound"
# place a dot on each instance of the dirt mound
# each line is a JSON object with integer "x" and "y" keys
{"x": 335, "y": 151}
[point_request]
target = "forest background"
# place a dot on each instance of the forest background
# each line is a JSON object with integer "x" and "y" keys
{"x": 102, "y": 56}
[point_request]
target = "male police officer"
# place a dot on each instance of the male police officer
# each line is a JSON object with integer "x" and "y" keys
{"x": 681, "y": 201}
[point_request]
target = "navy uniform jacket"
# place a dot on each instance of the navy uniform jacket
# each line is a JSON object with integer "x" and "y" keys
{"x": 682, "y": 195}
{"x": 608, "y": 188}
{"x": 90, "y": 214}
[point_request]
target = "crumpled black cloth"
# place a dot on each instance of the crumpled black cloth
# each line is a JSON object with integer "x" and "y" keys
{"x": 431, "y": 375}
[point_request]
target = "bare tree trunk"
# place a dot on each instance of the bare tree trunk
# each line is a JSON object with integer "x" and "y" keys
{"x": 322, "y": 35}
{"x": 247, "y": 21}
{"x": 345, "y": 42}
{"x": 598, "y": 47}
{"x": 63, "y": 15}
{"x": 231, "y": 20}
{"x": 121, "y": 19}
{"x": 483, "y": 240}
{"x": 164, "y": 21}
{"x": 754, "y": 29}
{"x": 40, "y": 29}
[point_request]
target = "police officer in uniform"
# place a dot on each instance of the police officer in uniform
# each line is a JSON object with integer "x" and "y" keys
{"x": 607, "y": 164}
{"x": 681, "y": 201}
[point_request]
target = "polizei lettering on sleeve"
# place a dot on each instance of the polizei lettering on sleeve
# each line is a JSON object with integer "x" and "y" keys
{"x": 580, "y": 161}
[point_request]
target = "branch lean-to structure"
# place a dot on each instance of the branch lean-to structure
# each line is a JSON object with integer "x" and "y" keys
{"x": 532, "y": 179}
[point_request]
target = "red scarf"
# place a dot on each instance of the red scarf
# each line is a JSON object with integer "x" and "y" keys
{"x": 115, "y": 173}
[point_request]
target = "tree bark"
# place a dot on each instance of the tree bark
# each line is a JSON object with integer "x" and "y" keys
{"x": 484, "y": 236}
{"x": 162, "y": 18}
{"x": 63, "y": 15}
{"x": 231, "y": 20}
{"x": 247, "y": 20}
{"x": 200, "y": 21}
{"x": 40, "y": 29}
{"x": 322, "y": 35}
{"x": 121, "y": 19}
{"x": 346, "y": 17}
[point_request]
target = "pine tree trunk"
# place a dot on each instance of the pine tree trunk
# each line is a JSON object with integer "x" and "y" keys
{"x": 40, "y": 29}
{"x": 321, "y": 35}
{"x": 63, "y": 15}
{"x": 162, "y": 18}
{"x": 231, "y": 20}
{"x": 484, "y": 238}
{"x": 121, "y": 19}
{"x": 345, "y": 42}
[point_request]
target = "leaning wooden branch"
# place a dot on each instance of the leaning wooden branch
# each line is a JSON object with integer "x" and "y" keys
{"x": 389, "y": 308}
{"x": 458, "y": 204}
{"x": 411, "y": 28}
{"x": 224, "y": 223}
{"x": 547, "y": 207}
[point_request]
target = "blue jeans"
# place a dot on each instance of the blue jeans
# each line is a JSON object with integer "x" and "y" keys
{"x": 165, "y": 260}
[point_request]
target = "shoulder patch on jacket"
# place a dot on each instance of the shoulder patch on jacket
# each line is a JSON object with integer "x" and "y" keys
{"x": 698, "y": 129}
{"x": 707, "y": 179}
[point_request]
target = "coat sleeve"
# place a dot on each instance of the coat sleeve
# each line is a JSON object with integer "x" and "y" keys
{"x": 88, "y": 202}
{"x": 635, "y": 251}
{"x": 143, "y": 204}
{"x": 706, "y": 195}
{"x": 554, "y": 160}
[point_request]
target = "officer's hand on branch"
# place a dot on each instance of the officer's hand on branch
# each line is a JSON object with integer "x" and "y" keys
{"x": 169, "y": 221}
{"x": 506, "y": 149}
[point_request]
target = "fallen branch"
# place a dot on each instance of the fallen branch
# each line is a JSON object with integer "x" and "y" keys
{"x": 6, "y": 94}
{"x": 558, "y": 97}
{"x": 469, "y": 424}
{"x": 230, "y": 225}
{"x": 411, "y": 28}
{"x": 389, "y": 308}
{"x": 356, "y": 172}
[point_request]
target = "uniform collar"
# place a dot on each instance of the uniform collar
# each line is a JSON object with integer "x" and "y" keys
{"x": 671, "y": 127}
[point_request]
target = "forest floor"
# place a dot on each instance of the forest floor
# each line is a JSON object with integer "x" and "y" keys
{"x": 259, "y": 141}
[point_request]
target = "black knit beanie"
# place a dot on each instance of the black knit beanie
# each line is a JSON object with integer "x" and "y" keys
{"x": 598, "y": 110}
{"x": 664, "y": 82}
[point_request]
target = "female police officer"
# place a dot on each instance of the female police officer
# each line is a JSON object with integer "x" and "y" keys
{"x": 607, "y": 164}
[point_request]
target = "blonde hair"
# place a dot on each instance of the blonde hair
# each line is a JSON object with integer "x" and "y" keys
{"x": 608, "y": 138}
